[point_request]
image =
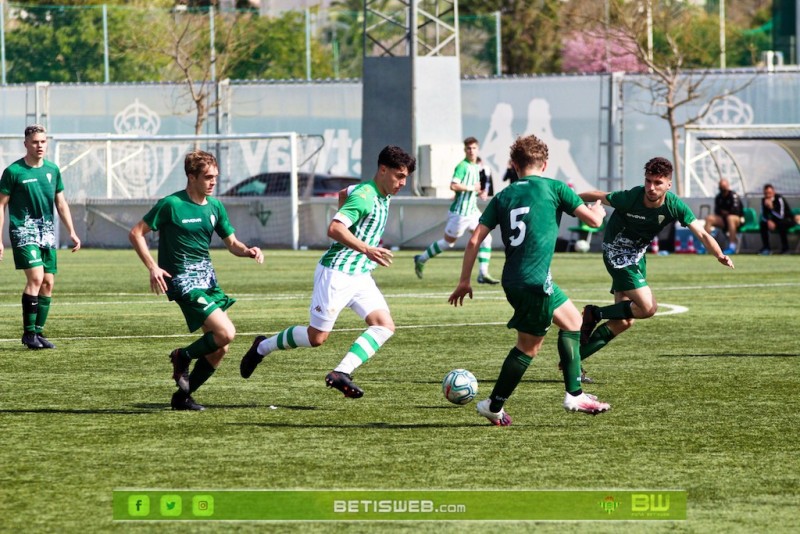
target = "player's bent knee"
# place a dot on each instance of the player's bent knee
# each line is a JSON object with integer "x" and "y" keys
{"x": 318, "y": 338}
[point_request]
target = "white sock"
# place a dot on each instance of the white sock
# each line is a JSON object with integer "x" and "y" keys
{"x": 290, "y": 338}
{"x": 363, "y": 348}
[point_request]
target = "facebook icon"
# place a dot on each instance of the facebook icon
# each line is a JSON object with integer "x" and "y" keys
{"x": 138, "y": 505}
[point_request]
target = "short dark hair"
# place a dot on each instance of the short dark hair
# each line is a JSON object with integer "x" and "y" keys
{"x": 470, "y": 141}
{"x": 197, "y": 161}
{"x": 529, "y": 150}
{"x": 658, "y": 167}
{"x": 34, "y": 129}
{"x": 395, "y": 157}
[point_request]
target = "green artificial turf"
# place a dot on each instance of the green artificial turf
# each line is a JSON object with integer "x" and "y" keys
{"x": 702, "y": 400}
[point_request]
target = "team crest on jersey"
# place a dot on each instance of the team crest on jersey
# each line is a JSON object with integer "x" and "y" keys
{"x": 213, "y": 220}
{"x": 49, "y": 177}
{"x": 660, "y": 219}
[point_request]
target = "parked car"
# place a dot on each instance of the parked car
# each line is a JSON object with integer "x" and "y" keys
{"x": 276, "y": 184}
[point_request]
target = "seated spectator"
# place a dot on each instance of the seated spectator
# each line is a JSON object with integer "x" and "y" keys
{"x": 776, "y": 216}
{"x": 727, "y": 214}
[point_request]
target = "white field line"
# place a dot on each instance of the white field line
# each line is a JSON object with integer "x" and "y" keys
{"x": 671, "y": 309}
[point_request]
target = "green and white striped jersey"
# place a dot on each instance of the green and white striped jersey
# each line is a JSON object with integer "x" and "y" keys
{"x": 364, "y": 212}
{"x": 467, "y": 174}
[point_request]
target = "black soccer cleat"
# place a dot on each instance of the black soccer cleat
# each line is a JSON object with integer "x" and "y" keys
{"x": 180, "y": 369}
{"x": 344, "y": 383}
{"x": 45, "y": 342}
{"x": 31, "y": 340}
{"x": 184, "y": 402}
{"x": 251, "y": 358}
{"x": 590, "y": 320}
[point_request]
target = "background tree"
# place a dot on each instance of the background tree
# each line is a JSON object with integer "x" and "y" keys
{"x": 678, "y": 66}
{"x": 531, "y": 32}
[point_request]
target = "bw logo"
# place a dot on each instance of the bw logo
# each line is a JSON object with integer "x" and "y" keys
{"x": 258, "y": 211}
{"x": 644, "y": 502}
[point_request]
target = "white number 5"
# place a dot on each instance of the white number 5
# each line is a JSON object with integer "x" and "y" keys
{"x": 516, "y": 216}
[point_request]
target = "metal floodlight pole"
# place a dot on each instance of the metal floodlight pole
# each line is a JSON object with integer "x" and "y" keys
{"x": 308, "y": 44}
{"x": 3, "y": 40}
{"x": 212, "y": 47}
{"x": 498, "y": 44}
{"x": 722, "y": 34}
{"x": 105, "y": 43}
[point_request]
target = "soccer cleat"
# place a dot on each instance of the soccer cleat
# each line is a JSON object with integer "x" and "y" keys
{"x": 589, "y": 323}
{"x": 486, "y": 279}
{"x": 251, "y": 358}
{"x": 500, "y": 418}
{"x": 182, "y": 401}
{"x": 729, "y": 251}
{"x": 418, "y": 266}
{"x": 180, "y": 369}
{"x": 585, "y": 403}
{"x": 31, "y": 340}
{"x": 765, "y": 252}
{"x": 344, "y": 383}
{"x": 45, "y": 342}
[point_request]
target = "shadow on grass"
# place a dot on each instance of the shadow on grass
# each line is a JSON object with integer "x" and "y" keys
{"x": 95, "y": 411}
{"x": 366, "y": 426}
{"x": 733, "y": 355}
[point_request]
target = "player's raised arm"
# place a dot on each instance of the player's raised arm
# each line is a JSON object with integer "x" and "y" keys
{"x": 237, "y": 248}
{"x": 592, "y": 196}
{"x": 591, "y": 214}
{"x": 136, "y": 236}
{"x": 698, "y": 229}
{"x": 338, "y": 231}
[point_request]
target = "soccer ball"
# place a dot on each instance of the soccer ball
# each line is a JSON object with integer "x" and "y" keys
{"x": 581, "y": 245}
{"x": 459, "y": 386}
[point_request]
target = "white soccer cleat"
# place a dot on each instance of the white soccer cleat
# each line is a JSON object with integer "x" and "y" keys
{"x": 585, "y": 403}
{"x": 500, "y": 418}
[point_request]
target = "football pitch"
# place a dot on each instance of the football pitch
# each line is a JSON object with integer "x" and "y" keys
{"x": 703, "y": 397}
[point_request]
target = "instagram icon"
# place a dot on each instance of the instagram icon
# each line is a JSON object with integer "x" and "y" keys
{"x": 203, "y": 505}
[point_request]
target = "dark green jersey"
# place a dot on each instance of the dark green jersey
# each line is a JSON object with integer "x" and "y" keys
{"x": 529, "y": 212}
{"x": 185, "y": 230}
{"x": 32, "y": 192}
{"x": 633, "y": 226}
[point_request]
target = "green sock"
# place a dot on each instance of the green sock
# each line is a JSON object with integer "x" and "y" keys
{"x": 514, "y": 366}
{"x": 599, "y": 339}
{"x": 201, "y": 347}
{"x": 620, "y": 310}
{"x": 569, "y": 351}
{"x": 41, "y": 315}
{"x": 30, "y": 308}
{"x": 202, "y": 371}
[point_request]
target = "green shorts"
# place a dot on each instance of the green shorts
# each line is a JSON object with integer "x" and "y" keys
{"x": 30, "y": 256}
{"x": 533, "y": 311}
{"x": 198, "y": 304}
{"x": 627, "y": 278}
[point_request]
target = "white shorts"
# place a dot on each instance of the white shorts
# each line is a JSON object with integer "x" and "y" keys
{"x": 335, "y": 291}
{"x": 458, "y": 224}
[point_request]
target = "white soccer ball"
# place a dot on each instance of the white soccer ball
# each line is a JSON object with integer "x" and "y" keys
{"x": 459, "y": 386}
{"x": 581, "y": 245}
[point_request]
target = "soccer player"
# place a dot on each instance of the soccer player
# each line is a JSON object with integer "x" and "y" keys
{"x": 343, "y": 277}
{"x": 464, "y": 214}
{"x": 30, "y": 187}
{"x": 186, "y": 220}
{"x": 528, "y": 213}
{"x": 639, "y": 215}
